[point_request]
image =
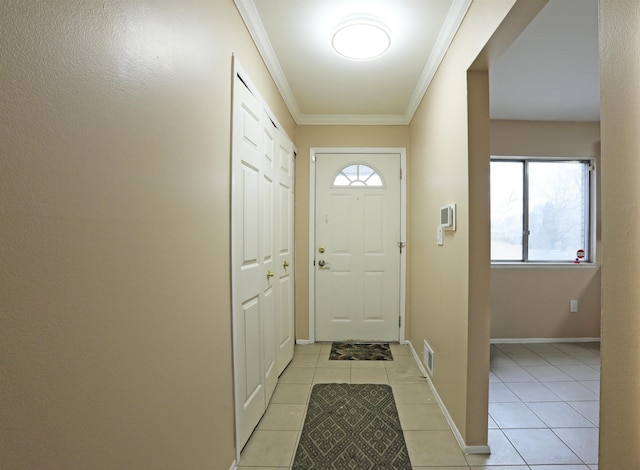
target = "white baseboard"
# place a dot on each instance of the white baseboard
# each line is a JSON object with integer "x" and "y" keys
{"x": 467, "y": 449}
{"x": 303, "y": 341}
{"x": 544, "y": 340}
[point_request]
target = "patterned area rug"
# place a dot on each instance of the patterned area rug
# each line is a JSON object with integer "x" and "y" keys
{"x": 352, "y": 426}
{"x": 361, "y": 352}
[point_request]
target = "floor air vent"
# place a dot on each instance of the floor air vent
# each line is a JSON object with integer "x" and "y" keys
{"x": 428, "y": 357}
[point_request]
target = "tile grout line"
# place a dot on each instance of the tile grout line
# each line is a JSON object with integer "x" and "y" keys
{"x": 528, "y": 402}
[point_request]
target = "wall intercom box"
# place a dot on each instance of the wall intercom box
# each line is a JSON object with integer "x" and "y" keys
{"x": 448, "y": 217}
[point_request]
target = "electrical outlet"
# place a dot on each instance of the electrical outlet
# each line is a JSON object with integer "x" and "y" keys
{"x": 573, "y": 306}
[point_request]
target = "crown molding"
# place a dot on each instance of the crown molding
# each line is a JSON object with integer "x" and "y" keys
{"x": 254, "y": 24}
{"x": 450, "y": 27}
{"x": 452, "y": 22}
{"x": 353, "y": 120}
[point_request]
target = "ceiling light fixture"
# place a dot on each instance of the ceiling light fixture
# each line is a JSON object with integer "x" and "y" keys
{"x": 361, "y": 38}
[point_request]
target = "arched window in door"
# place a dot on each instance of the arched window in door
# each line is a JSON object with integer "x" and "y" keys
{"x": 358, "y": 174}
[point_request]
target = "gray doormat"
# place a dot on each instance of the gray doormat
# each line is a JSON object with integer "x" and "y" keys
{"x": 360, "y": 352}
{"x": 352, "y": 426}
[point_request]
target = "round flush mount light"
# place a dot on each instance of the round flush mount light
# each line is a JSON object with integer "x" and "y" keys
{"x": 361, "y": 39}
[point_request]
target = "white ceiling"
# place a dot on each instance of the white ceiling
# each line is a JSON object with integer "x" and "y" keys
{"x": 549, "y": 73}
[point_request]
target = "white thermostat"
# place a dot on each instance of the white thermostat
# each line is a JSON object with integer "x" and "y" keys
{"x": 448, "y": 217}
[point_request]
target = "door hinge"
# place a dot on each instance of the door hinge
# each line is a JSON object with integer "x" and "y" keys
{"x": 399, "y": 322}
{"x": 400, "y": 173}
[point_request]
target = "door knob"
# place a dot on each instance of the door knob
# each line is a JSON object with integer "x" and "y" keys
{"x": 269, "y": 275}
{"x": 322, "y": 263}
{"x": 321, "y": 249}
{"x": 285, "y": 265}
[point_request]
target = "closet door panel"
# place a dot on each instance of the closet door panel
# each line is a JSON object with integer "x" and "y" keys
{"x": 247, "y": 262}
{"x": 267, "y": 238}
{"x": 285, "y": 327}
{"x": 262, "y": 257}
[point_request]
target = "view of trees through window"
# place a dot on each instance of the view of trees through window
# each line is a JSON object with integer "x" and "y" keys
{"x": 539, "y": 209}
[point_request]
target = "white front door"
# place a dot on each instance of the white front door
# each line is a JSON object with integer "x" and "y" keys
{"x": 357, "y": 253}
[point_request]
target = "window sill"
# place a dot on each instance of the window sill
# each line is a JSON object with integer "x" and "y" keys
{"x": 551, "y": 265}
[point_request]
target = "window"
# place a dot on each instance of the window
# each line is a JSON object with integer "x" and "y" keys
{"x": 358, "y": 175}
{"x": 540, "y": 209}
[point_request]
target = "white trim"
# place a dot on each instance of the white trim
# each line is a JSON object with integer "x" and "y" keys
{"x": 312, "y": 229}
{"x": 234, "y": 466}
{"x": 448, "y": 31}
{"x": 543, "y": 265}
{"x": 303, "y": 342}
{"x": 353, "y": 120}
{"x": 403, "y": 239}
{"x": 466, "y": 449}
{"x": 544, "y": 340}
{"x": 450, "y": 27}
{"x": 254, "y": 24}
{"x": 312, "y": 246}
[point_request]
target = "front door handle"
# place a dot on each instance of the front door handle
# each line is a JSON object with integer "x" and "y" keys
{"x": 322, "y": 263}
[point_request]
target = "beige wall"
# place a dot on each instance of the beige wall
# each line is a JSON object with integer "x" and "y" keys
{"x": 545, "y": 138}
{"x": 533, "y": 302}
{"x": 479, "y": 256}
{"x": 115, "y": 328}
{"x": 114, "y": 194}
{"x": 327, "y": 136}
{"x": 439, "y": 276}
{"x": 620, "y": 117}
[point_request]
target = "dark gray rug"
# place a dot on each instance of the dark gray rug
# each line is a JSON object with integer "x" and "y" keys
{"x": 361, "y": 352}
{"x": 352, "y": 426}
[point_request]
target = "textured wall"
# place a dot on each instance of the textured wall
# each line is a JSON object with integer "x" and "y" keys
{"x": 439, "y": 276}
{"x": 115, "y": 326}
{"x": 620, "y": 121}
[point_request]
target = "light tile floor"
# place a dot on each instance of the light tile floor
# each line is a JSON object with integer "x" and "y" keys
{"x": 543, "y": 408}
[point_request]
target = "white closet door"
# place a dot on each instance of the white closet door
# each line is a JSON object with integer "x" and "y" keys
{"x": 285, "y": 334}
{"x": 252, "y": 293}
{"x": 261, "y": 258}
{"x": 269, "y": 258}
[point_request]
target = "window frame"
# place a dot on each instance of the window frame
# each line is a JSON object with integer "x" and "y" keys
{"x": 351, "y": 184}
{"x": 590, "y": 210}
